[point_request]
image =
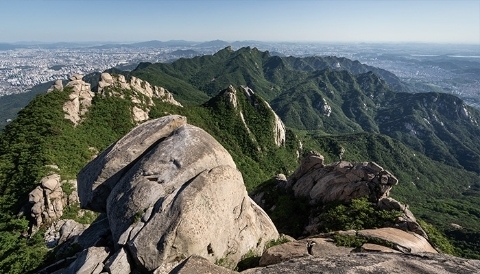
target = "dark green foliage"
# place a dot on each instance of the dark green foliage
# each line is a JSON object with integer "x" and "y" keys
{"x": 10, "y": 105}
{"x": 359, "y": 214}
{"x": 68, "y": 188}
{"x": 349, "y": 240}
{"x": 290, "y": 215}
{"x": 466, "y": 242}
{"x": 24, "y": 146}
{"x": 438, "y": 239}
{"x": 20, "y": 254}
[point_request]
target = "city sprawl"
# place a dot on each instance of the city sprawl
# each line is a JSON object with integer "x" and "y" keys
{"x": 445, "y": 68}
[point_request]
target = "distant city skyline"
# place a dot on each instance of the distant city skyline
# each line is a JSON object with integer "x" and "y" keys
{"x": 424, "y": 21}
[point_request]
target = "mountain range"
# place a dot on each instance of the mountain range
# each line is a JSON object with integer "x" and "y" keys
{"x": 341, "y": 108}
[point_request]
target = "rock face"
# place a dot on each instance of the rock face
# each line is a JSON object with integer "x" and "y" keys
{"x": 170, "y": 190}
{"x": 58, "y": 85}
{"x": 99, "y": 177}
{"x": 341, "y": 181}
{"x": 80, "y": 99}
{"x": 143, "y": 93}
{"x": 403, "y": 241}
{"x": 197, "y": 264}
{"x": 374, "y": 263}
{"x": 319, "y": 247}
{"x": 48, "y": 199}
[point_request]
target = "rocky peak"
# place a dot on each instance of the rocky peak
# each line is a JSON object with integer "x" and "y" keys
{"x": 58, "y": 85}
{"x": 340, "y": 181}
{"x": 168, "y": 189}
{"x": 144, "y": 92}
{"x": 80, "y": 99}
{"x": 231, "y": 96}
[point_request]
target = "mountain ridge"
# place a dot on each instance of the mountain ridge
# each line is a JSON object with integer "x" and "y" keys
{"x": 332, "y": 100}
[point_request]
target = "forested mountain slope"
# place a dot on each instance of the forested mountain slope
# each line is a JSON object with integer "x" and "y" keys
{"x": 332, "y": 95}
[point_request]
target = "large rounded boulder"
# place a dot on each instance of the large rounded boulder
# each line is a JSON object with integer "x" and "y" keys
{"x": 170, "y": 190}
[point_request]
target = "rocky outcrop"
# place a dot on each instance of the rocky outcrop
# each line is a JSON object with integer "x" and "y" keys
{"x": 119, "y": 263}
{"x": 48, "y": 200}
{"x": 407, "y": 221}
{"x": 90, "y": 260}
{"x": 325, "y": 257}
{"x": 406, "y": 242}
{"x": 320, "y": 184}
{"x": 341, "y": 181}
{"x": 58, "y": 85}
{"x": 401, "y": 241}
{"x": 80, "y": 99}
{"x": 168, "y": 189}
{"x": 63, "y": 230}
{"x": 143, "y": 93}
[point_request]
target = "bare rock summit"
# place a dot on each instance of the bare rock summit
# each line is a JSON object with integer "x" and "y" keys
{"x": 170, "y": 190}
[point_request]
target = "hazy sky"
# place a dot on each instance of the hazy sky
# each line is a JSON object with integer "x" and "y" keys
{"x": 452, "y": 21}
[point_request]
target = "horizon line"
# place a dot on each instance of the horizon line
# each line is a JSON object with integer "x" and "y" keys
{"x": 17, "y": 43}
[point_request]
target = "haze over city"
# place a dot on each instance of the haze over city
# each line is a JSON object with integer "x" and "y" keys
{"x": 312, "y": 21}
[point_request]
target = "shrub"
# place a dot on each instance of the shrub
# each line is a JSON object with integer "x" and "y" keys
{"x": 359, "y": 214}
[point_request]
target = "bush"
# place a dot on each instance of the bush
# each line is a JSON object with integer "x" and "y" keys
{"x": 359, "y": 214}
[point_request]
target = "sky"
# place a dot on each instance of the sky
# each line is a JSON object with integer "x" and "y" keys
{"x": 426, "y": 21}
